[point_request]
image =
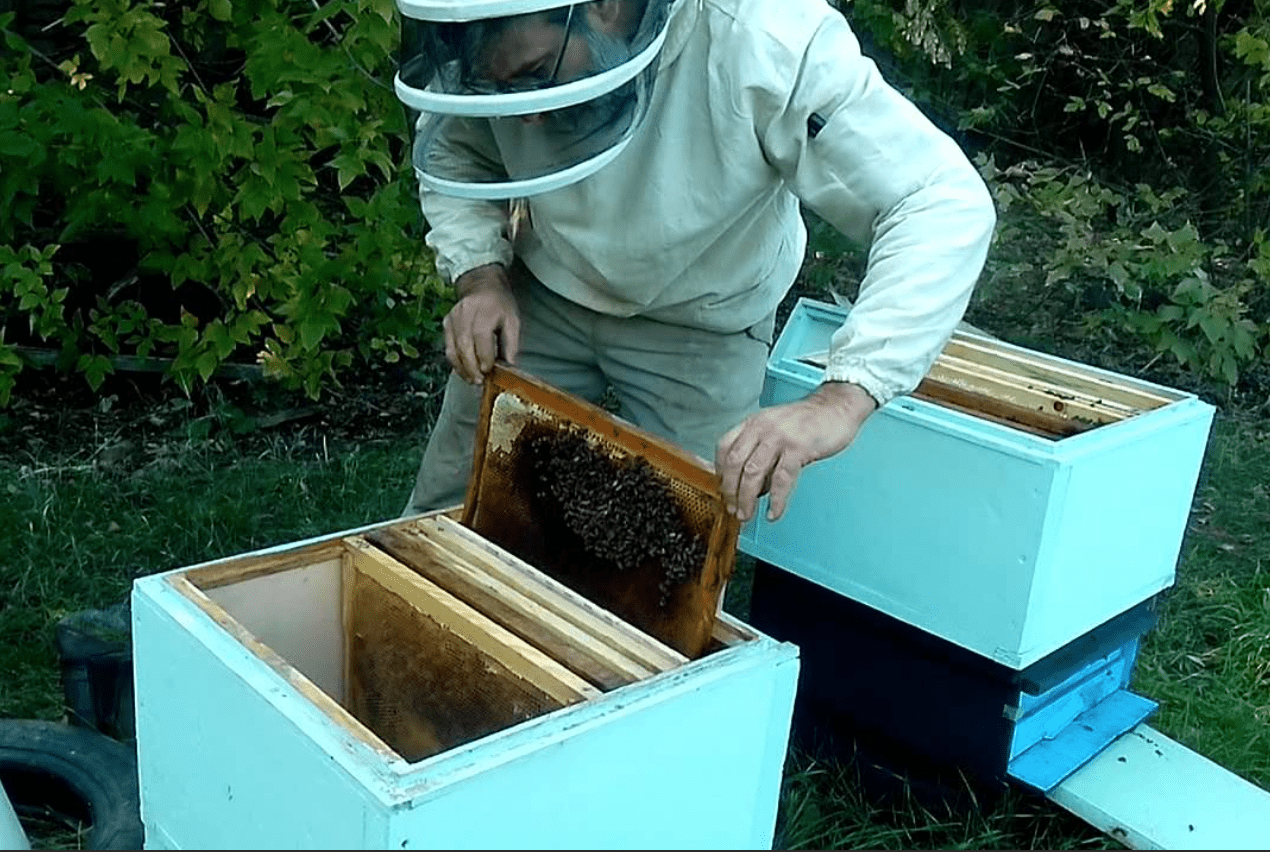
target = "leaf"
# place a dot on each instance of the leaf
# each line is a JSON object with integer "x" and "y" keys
{"x": 1212, "y": 328}
{"x": 17, "y": 144}
{"x": 95, "y": 369}
{"x": 1230, "y": 371}
{"x": 1251, "y": 49}
{"x": 221, "y": 10}
{"x": 206, "y": 364}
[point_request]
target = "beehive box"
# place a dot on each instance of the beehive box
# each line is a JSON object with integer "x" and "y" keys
{"x": 930, "y": 709}
{"x": 1011, "y": 504}
{"x": 412, "y": 685}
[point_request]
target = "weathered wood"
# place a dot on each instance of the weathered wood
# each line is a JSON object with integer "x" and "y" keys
{"x": 1000, "y": 384}
{"x": 451, "y": 569}
{"x": 521, "y": 658}
{"x": 555, "y": 596}
{"x": 1063, "y": 375}
{"x": 1150, "y": 792}
{"x": 975, "y": 401}
{"x": 1030, "y": 393}
{"x": 241, "y": 568}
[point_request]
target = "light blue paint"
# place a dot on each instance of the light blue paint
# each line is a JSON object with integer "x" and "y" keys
{"x": 1046, "y": 764}
{"x": 1045, "y": 716}
{"x": 12, "y": 835}
{"x": 219, "y": 765}
{"x": 230, "y": 755}
{"x": 1006, "y": 543}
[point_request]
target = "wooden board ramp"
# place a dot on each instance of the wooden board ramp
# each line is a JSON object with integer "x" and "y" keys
{"x": 1151, "y": 792}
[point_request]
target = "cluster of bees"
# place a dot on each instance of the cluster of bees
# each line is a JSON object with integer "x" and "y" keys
{"x": 621, "y": 511}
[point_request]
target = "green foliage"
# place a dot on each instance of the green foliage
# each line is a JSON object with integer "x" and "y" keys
{"x": 1136, "y": 131}
{"x": 209, "y": 183}
{"x": 1139, "y": 267}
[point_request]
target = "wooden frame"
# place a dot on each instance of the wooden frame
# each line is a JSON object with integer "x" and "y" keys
{"x": 1025, "y": 391}
{"x": 687, "y": 623}
{"x": 592, "y": 642}
{"x": 499, "y": 643}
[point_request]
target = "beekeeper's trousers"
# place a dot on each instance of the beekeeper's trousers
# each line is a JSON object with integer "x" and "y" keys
{"x": 685, "y": 384}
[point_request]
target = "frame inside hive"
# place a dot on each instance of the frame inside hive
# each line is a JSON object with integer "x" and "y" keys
{"x": 1028, "y": 391}
{"x": 419, "y": 636}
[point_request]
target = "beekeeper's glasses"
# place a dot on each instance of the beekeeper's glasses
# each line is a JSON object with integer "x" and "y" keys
{"x": 527, "y": 82}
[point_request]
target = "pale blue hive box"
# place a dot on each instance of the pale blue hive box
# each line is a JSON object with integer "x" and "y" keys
{"x": 992, "y": 536}
{"x": 245, "y": 739}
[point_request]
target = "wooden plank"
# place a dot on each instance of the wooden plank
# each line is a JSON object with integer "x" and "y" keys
{"x": 1054, "y": 758}
{"x": 971, "y": 404}
{"x": 1151, "y": 792}
{"x": 521, "y": 658}
{"x": 976, "y": 401}
{"x": 449, "y": 567}
{"x": 1035, "y": 394}
{"x": 240, "y": 568}
{"x": 1019, "y": 374}
{"x": 1074, "y": 379}
{"x": 730, "y": 630}
{"x": 298, "y": 681}
{"x": 647, "y": 650}
{"x": 421, "y": 686}
{"x": 349, "y": 698}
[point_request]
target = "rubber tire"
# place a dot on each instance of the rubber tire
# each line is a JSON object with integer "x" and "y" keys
{"x": 97, "y": 770}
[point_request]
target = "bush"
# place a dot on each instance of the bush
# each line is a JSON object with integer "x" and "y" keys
{"x": 207, "y": 183}
{"x": 1133, "y": 133}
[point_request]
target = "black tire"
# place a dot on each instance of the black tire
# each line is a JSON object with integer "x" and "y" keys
{"x": 75, "y": 771}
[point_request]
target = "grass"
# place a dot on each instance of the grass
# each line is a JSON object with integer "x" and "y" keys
{"x": 156, "y": 482}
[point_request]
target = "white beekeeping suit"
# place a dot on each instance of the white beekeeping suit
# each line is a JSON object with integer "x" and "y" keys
{"x": 685, "y": 209}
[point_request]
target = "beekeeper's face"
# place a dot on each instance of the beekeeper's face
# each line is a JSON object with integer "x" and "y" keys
{"x": 539, "y": 50}
{"x": 516, "y": 105}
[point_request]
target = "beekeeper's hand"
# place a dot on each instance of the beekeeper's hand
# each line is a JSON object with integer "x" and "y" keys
{"x": 766, "y": 451}
{"x": 484, "y": 323}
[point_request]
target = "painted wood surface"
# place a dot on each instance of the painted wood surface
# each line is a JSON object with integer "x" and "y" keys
{"x": 1044, "y": 716}
{"x": 1053, "y": 759}
{"x": 1151, "y": 792}
{"x": 1013, "y": 544}
{"x": 235, "y": 750}
{"x": 297, "y": 613}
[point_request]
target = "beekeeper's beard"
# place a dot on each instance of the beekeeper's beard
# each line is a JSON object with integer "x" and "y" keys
{"x": 582, "y": 120}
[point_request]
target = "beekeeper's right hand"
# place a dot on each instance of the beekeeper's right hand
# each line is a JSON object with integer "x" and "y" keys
{"x": 483, "y": 325}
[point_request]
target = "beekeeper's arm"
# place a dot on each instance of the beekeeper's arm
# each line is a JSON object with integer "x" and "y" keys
{"x": 867, "y": 161}
{"x": 473, "y": 252}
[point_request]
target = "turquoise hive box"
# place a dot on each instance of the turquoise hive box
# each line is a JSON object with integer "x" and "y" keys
{"x": 279, "y": 696}
{"x": 415, "y": 684}
{"x": 1009, "y": 506}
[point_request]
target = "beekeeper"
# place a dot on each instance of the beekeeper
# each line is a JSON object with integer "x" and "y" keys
{"x": 614, "y": 189}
